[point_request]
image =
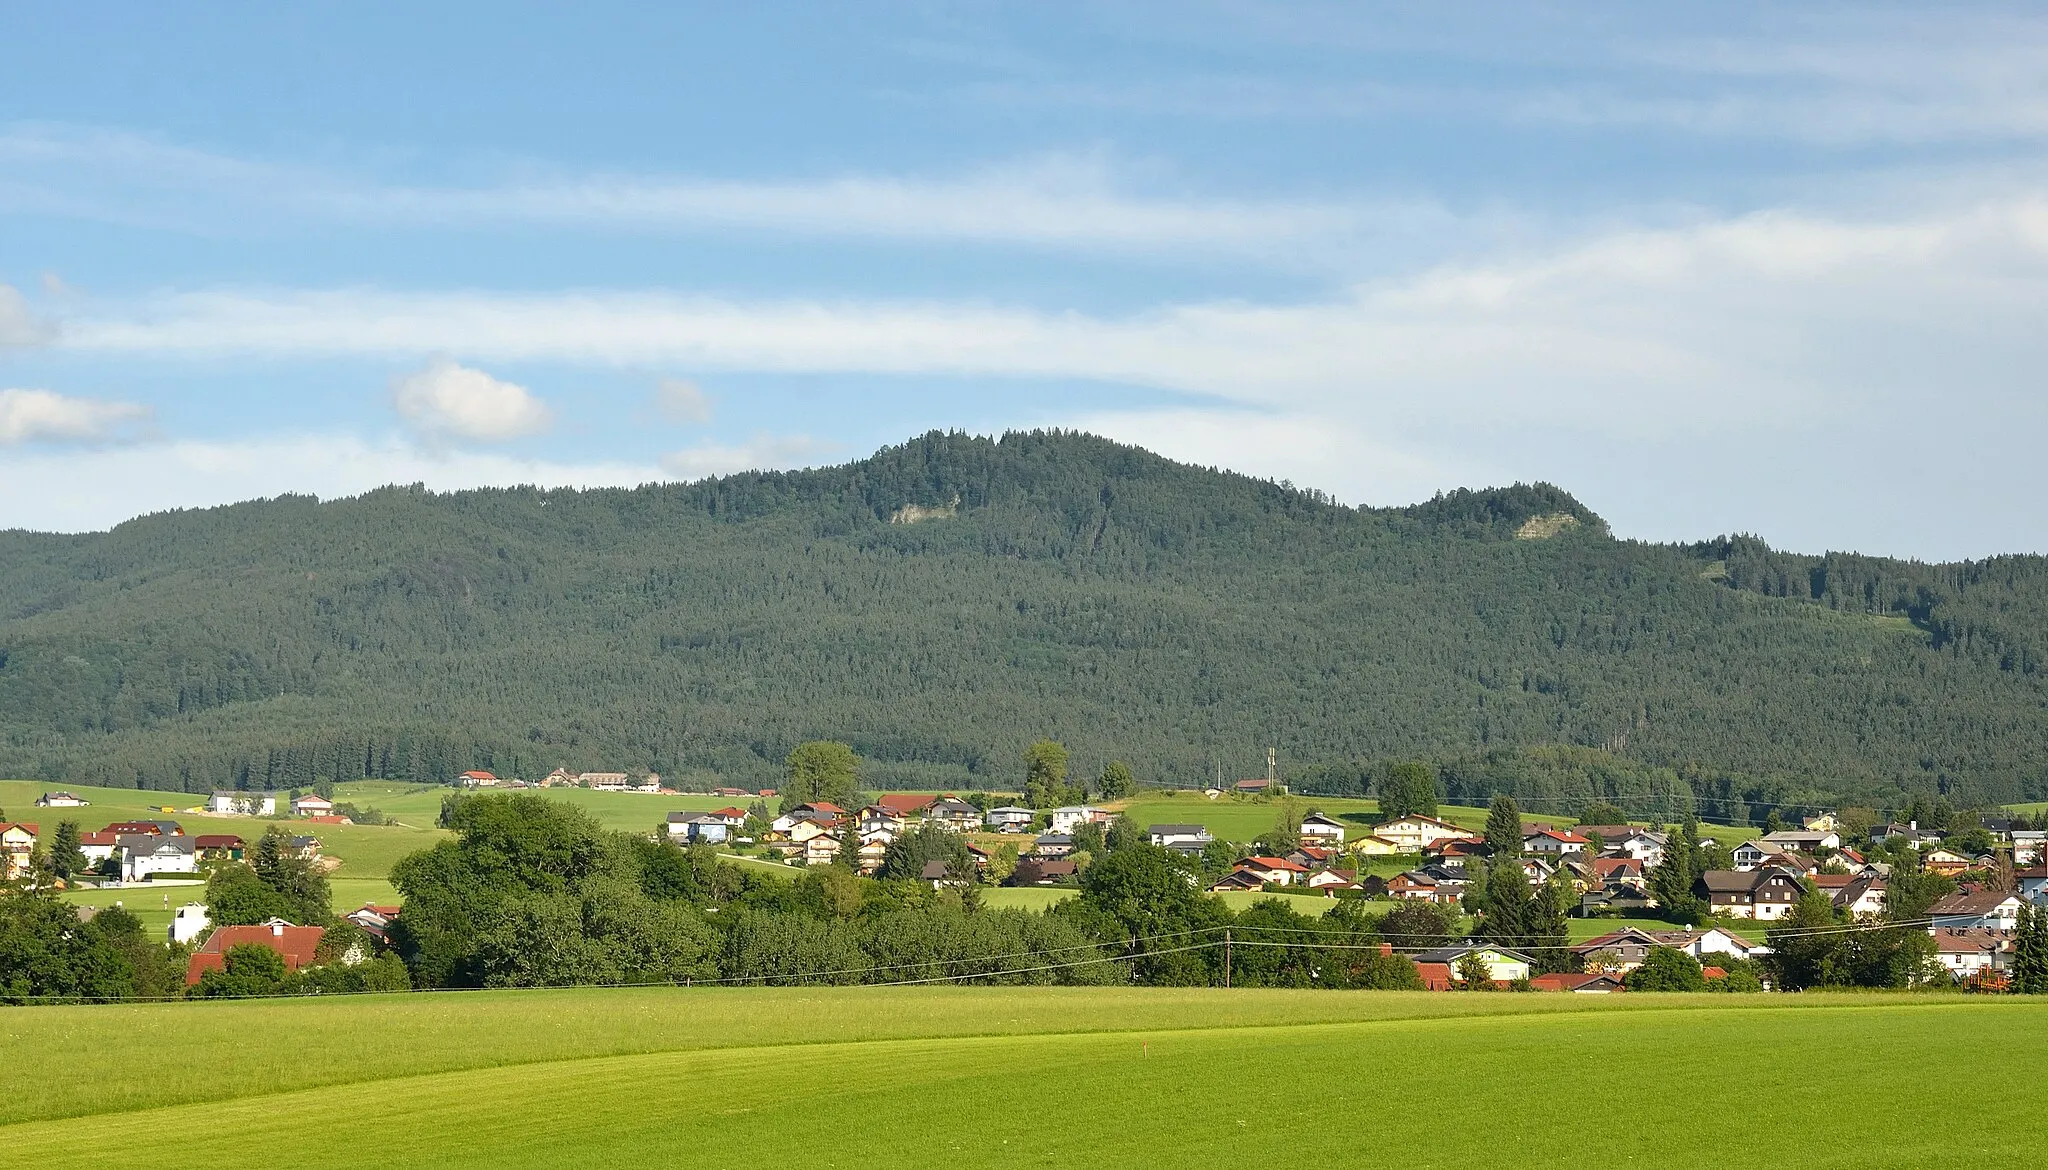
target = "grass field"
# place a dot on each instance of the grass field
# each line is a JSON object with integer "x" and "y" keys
{"x": 974, "y": 1077}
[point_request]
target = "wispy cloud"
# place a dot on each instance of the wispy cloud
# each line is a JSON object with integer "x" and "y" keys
{"x": 1061, "y": 201}
{"x": 763, "y": 452}
{"x": 447, "y": 400}
{"x": 43, "y": 415}
{"x": 19, "y": 325}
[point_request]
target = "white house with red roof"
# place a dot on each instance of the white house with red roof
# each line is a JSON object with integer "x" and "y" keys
{"x": 1415, "y": 833}
{"x": 1277, "y": 870}
{"x": 1552, "y": 842}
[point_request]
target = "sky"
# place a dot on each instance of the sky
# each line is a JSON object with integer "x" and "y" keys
{"x": 1747, "y": 268}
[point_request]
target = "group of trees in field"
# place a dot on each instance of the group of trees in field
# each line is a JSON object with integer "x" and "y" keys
{"x": 1177, "y": 618}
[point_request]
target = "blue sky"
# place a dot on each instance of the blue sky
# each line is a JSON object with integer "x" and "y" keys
{"x": 1744, "y": 270}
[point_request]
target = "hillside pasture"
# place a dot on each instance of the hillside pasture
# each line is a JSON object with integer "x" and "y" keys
{"x": 983, "y": 1077}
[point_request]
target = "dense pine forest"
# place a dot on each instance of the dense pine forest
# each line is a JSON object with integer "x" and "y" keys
{"x": 945, "y": 602}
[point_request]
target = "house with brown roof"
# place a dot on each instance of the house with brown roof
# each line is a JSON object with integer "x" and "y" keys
{"x": 905, "y": 805}
{"x": 1238, "y": 880}
{"x": 478, "y": 778}
{"x": 296, "y": 944}
{"x": 1277, "y": 870}
{"x": 1623, "y": 871}
{"x": 1973, "y": 952}
{"x": 312, "y": 804}
{"x": 1620, "y": 951}
{"x": 1766, "y": 893}
{"x": 218, "y": 847}
{"x": 1701, "y": 944}
{"x": 17, "y": 847}
{"x": 1583, "y": 984}
{"x": 1989, "y": 909}
{"x": 1415, "y": 886}
{"x": 1032, "y": 871}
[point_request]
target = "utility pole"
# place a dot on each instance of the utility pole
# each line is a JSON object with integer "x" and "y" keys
{"x": 1272, "y": 766}
{"x": 1226, "y": 957}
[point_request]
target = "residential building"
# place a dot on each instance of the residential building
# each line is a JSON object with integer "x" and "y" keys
{"x": 143, "y": 855}
{"x": 603, "y": 781}
{"x": 709, "y": 828}
{"x": 906, "y": 805}
{"x": 17, "y": 847}
{"x": 1909, "y": 833}
{"x": 954, "y": 813}
{"x": 1035, "y": 871}
{"x": 1415, "y": 833}
{"x": 1332, "y": 880}
{"x": 872, "y": 854}
{"x": 305, "y": 848}
{"x": 189, "y": 922}
{"x": 1766, "y": 893}
{"x": 243, "y": 804}
{"x": 1315, "y": 827}
{"x": 1862, "y": 894}
{"x": 1949, "y": 863}
{"x": 1973, "y": 952}
{"x": 1010, "y": 819}
{"x": 1415, "y": 886}
{"x": 98, "y": 847}
{"x": 940, "y": 875}
{"x": 478, "y": 779}
{"x": 2033, "y": 884}
{"x": 1180, "y": 838}
{"x": 875, "y": 818}
{"x": 1258, "y": 786}
{"x": 218, "y": 847}
{"x": 1277, "y": 870}
{"x": 1966, "y": 909}
{"x": 375, "y": 920}
{"x": 1050, "y": 845}
{"x": 1622, "y": 950}
{"x": 1552, "y": 842}
{"x": 60, "y": 800}
{"x": 150, "y": 828}
{"x": 1582, "y": 984}
{"x": 1626, "y": 871}
{"x": 1805, "y": 840}
{"x": 1713, "y": 941}
{"x": 1374, "y": 845}
{"x": 312, "y": 804}
{"x": 297, "y": 945}
{"x": 733, "y": 816}
{"x": 1504, "y": 965}
{"x": 822, "y": 849}
{"x": 1616, "y": 898}
{"x": 1821, "y": 823}
{"x": 2029, "y": 846}
{"x": 1240, "y": 881}
{"x": 1065, "y": 820}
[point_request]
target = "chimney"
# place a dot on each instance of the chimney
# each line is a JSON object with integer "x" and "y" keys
{"x": 1386, "y": 948}
{"x": 1913, "y": 825}
{"x": 276, "y": 931}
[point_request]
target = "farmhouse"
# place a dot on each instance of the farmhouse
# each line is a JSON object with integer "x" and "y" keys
{"x": 243, "y": 804}
{"x": 478, "y": 779}
{"x": 60, "y": 800}
{"x": 218, "y": 847}
{"x": 706, "y": 827}
{"x": 1620, "y": 951}
{"x": 312, "y": 804}
{"x": 17, "y": 846}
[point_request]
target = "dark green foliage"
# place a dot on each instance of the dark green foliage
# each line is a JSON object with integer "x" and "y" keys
{"x": 923, "y": 842}
{"x": 1417, "y": 926}
{"x": 1674, "y": 882}
{"x": 1144, "y": 897}
{"x": 301, "y": 883}
{"x": 1045, "y": 777}
{"x": 2030, "y": 952}
{"x": 1545, "y": 934}
{"x": 66, "y": 859}
{"x": 236, "y": 896}
{"x": 1802, "y": 948}
{"x": 1504, "y": 827}
{"x": 45, "y": 951}
{"x": 1666, "y": 969}
{"x": 248, "y": 969}
{"x": 1116, "y": 781}
{"x": 821, "y": 772}
{"x": 1122, "y": 604}
{"x": 1505, "y": 918}
{"x": 1407, "y": 789}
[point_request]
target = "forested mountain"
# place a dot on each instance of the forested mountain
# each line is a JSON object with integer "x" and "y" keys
{"x": 947, "y": 601}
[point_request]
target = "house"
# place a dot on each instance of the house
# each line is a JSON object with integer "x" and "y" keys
{"x": 709, "y": 828}
{"x": 1373, "y": 845}
{"x": 1627, "y": 947}
{"x": 1536, "y": 870}
{"x": 1616, "y": 898}
{"x": 60, "y": 800}
{"x": 804, "y": 832}
{"x": 1502, "y": 964}
{"x": 477, "y": 779}
{"x": 1259, "y": 786}
{"x": 1313, "y": 856}
{"x": 1821, "y": 823}
{"x": 1989, "y": 909}
{"x": 98, "y": 847}
{"x": 1626, "y": 871}
{"x": 1239, "y": 880}
{"x": 1862, "y": 894}
{"x": 1582, "y": 984}
{"x": 305, "y": 848}
{"x": 243, "y": 804}
{"x": 876, "y": 818}
{"x": 1552, "y": 842}
{"x": 1049, "y": 845}
{"x": 1974, "y": 952}
{"x": 1415, "y": 886}
{"x": 733, "y": 816}
{"x": 1751, "y": 854}
{"x": 218, "y": 847}
{"x": 1332, "y": 880}
{"x": 905, "y": 805}
{"x": 1034, "y": 871}
{"x": 1415, "y": 833}
{"x": 189, "y": 922}
{"x": 2033, "y": 884}
{"x": 297, "y": 944}
{"x": 1277, "y": 870}
{"x": 149, "y": 828}
{"x": 312, "y": 804}
{"x": 1009, "y": 819}
{"x": 1909, "y": 833}
{"x": 1946, "y": 862}
{"x": 1321, "y": 829}
{"x": 1804, "y": 840}
{"x": 823, "y": 812}
{"x": 1064, "y": 820}
{"x": 822, "y": 849}
{"x": 1644, "y": 845}
{"x": 1180, "y": 838}
{"x": 603, "y": 781}
{"x": 2029, "y": 846}
{"x": 871, "y": 855}
{"x": 374, "y": 919}
{"x": 143, "y": 855}
{"x": 940, "y": 875}
{"x": 1712, "y": 941}
{"x": 17, "y": 847}
{"x": 1764, "y": 893}
{"x": 954, "y": 813}
{"x": 559, "y": 778}
{"x": 652, "y": 783}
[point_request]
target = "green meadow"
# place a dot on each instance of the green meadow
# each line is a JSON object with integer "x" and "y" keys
{"x": 999, "y": 1077}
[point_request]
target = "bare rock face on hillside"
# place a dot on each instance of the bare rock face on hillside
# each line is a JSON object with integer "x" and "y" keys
{"x": 1545, "y": 527}
{"x": 916, "y": 513}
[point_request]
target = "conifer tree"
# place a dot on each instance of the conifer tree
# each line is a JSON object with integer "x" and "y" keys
{"x": 1504, "y": 827}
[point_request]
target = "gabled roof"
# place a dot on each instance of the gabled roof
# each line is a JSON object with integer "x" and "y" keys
{"x": 27, "y": 826}
{"x": 1419, "y": 819}
{"x": 1452, "y": 954}
{"x": 296, "y": 943}
{"x": 1320, "y": 819}
{"x": 1568, "y": 981}
{"x": 1971, "y": 903}
{"x": 1272, "y": 863}
{"x": 902, "y": 804}
{"x": 217, "y": 841}
{"x": 1616, "y": 937}
{"x": 1564, "y": 836}
{"x": 1177, "y": 830}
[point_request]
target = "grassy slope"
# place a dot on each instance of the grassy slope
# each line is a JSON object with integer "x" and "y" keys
{"x": 969, "y": 1077}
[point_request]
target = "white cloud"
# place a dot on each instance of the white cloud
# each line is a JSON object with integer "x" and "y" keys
{"x": 763, "y": 453}
{"x": 450, "y": 400}
{"x": 18, "y": 324}
{"x": 679, "y": 400}
{"x": 103, "y": 488}
{"x": 31, "y": 415}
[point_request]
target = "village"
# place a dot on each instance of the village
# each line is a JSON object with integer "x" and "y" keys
{"x": 1610, "y": 873}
